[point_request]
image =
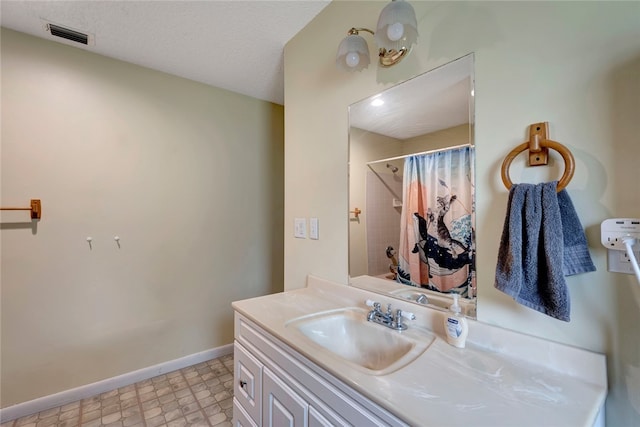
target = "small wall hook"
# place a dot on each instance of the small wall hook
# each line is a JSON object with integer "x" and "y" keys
{"x": 117, "y": 239}
{"x": 89, "y": 240}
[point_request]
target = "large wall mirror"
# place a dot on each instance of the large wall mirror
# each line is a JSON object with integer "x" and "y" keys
{"x": 412, "y": 189}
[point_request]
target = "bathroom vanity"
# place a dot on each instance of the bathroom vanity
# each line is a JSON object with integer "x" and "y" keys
{"x": 275, "y": 387}
{"x": 310, "y": 357}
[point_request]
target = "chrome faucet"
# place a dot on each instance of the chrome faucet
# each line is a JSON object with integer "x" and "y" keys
{"x": 422, "y": 299}
{"x": 389, "y": 319}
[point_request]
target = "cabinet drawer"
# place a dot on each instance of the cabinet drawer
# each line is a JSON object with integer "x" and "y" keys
{"x": 247, "y": 386}
{"x": 240, "y": 416}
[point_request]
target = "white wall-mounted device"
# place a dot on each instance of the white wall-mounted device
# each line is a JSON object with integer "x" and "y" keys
{"x": 621, "y": 236}
{"x": 300, "y": 228}
{"x": 313, "y": 229}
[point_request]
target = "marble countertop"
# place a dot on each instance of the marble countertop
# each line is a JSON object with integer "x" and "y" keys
{"x": 501, "y": 378}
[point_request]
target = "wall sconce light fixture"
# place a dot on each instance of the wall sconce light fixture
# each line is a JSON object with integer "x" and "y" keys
{"x": 396, "y": 32}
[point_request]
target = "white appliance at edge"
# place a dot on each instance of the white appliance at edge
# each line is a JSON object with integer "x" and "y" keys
{"x": 621, "y": 236}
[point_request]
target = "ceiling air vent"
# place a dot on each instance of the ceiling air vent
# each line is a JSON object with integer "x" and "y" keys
{"x": 66, "y": 33}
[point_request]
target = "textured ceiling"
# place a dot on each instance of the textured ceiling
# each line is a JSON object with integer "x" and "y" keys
{"x": 436, "y": 100}
{"x": 234, "y": 45}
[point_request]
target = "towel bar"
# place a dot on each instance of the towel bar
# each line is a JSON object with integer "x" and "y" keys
{"x": 35, "y": 208}
{"x": 538, "y": 146}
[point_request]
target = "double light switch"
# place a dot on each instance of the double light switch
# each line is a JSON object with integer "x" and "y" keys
{"x": 300, "y": 228}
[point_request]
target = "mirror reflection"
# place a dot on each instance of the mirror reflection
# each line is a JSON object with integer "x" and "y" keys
{"x": 411, "y": 183}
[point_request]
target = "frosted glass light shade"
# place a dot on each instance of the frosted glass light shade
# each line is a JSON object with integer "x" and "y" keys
{"x": 397, "y": 26}
{"x": 353, "y": 53}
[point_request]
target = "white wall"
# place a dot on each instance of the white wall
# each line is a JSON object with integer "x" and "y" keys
{"x": 191, "y": 179}
{"x": 573, "y": 64}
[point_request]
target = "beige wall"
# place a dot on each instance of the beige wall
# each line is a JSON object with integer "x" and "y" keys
{"x": 191, "y": 179}
{"x": 450, "y": 137}
{"x": 575, "y": 65}
{"x": 364, "y": 147}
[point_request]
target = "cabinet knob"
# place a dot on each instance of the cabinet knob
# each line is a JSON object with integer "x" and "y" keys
{"x": 242, "y": 383}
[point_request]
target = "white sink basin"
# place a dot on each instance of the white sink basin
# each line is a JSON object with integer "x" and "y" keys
{"x": 374, "y": 348}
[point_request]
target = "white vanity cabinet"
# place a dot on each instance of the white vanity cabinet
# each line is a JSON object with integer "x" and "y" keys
{"x": 501, "y": 379}
{"x": 275, "y": 386}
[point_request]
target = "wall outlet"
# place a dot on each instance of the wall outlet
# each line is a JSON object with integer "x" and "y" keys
{"x": 612, "y": 233}
{"x": 619, "y": 262}
{"x": 613, "y": 230}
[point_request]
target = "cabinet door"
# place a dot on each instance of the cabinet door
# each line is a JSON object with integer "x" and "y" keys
{"x": 247, "y": 387}
{"x": 240, "y": 416}
{"x": 282, "y": 407}
{"x": 317, "y": 420}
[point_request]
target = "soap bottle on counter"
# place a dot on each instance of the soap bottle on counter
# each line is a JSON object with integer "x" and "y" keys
{"x": 455, "y": 324}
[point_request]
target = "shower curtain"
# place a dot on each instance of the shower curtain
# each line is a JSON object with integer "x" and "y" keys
{"x": 437, "y": 239}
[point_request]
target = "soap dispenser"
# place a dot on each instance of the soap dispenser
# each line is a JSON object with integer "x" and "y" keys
{"x": 455, "y": 324}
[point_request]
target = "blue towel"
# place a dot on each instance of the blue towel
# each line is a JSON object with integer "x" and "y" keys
{"x": 542, "y": 241}
{"x": 577, "y": 258}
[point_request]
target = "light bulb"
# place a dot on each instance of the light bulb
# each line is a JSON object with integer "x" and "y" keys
{"x": 395, "y": 31}
{"x": 352, "y": 59}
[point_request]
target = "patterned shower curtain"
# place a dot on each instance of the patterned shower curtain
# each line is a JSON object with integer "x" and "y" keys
{"x": 437, "y": 239}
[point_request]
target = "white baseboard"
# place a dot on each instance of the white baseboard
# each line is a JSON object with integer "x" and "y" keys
{"x": 89, "y": 390}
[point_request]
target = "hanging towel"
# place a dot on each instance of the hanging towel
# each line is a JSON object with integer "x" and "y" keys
{"x": 542, "y": 241}
{"x": 577, "y": 258}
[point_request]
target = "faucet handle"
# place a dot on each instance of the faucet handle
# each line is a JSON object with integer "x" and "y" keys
{"x": 399, "y": 324}
{"x": 407, "y": 315}
{"x": 371, "y": 303}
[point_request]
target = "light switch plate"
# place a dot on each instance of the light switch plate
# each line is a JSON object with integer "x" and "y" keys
{"x": 313, "y": 229}
{"x": 300, "y": 228}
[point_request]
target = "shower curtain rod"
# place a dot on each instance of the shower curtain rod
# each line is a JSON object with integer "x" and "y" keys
{"x": 419, "y": 154}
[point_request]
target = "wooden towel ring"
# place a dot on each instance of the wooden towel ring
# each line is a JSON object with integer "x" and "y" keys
{"x": 538, "y": 146}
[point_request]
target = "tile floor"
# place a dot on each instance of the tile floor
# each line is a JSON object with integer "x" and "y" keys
{"x": 200, "y": 395}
